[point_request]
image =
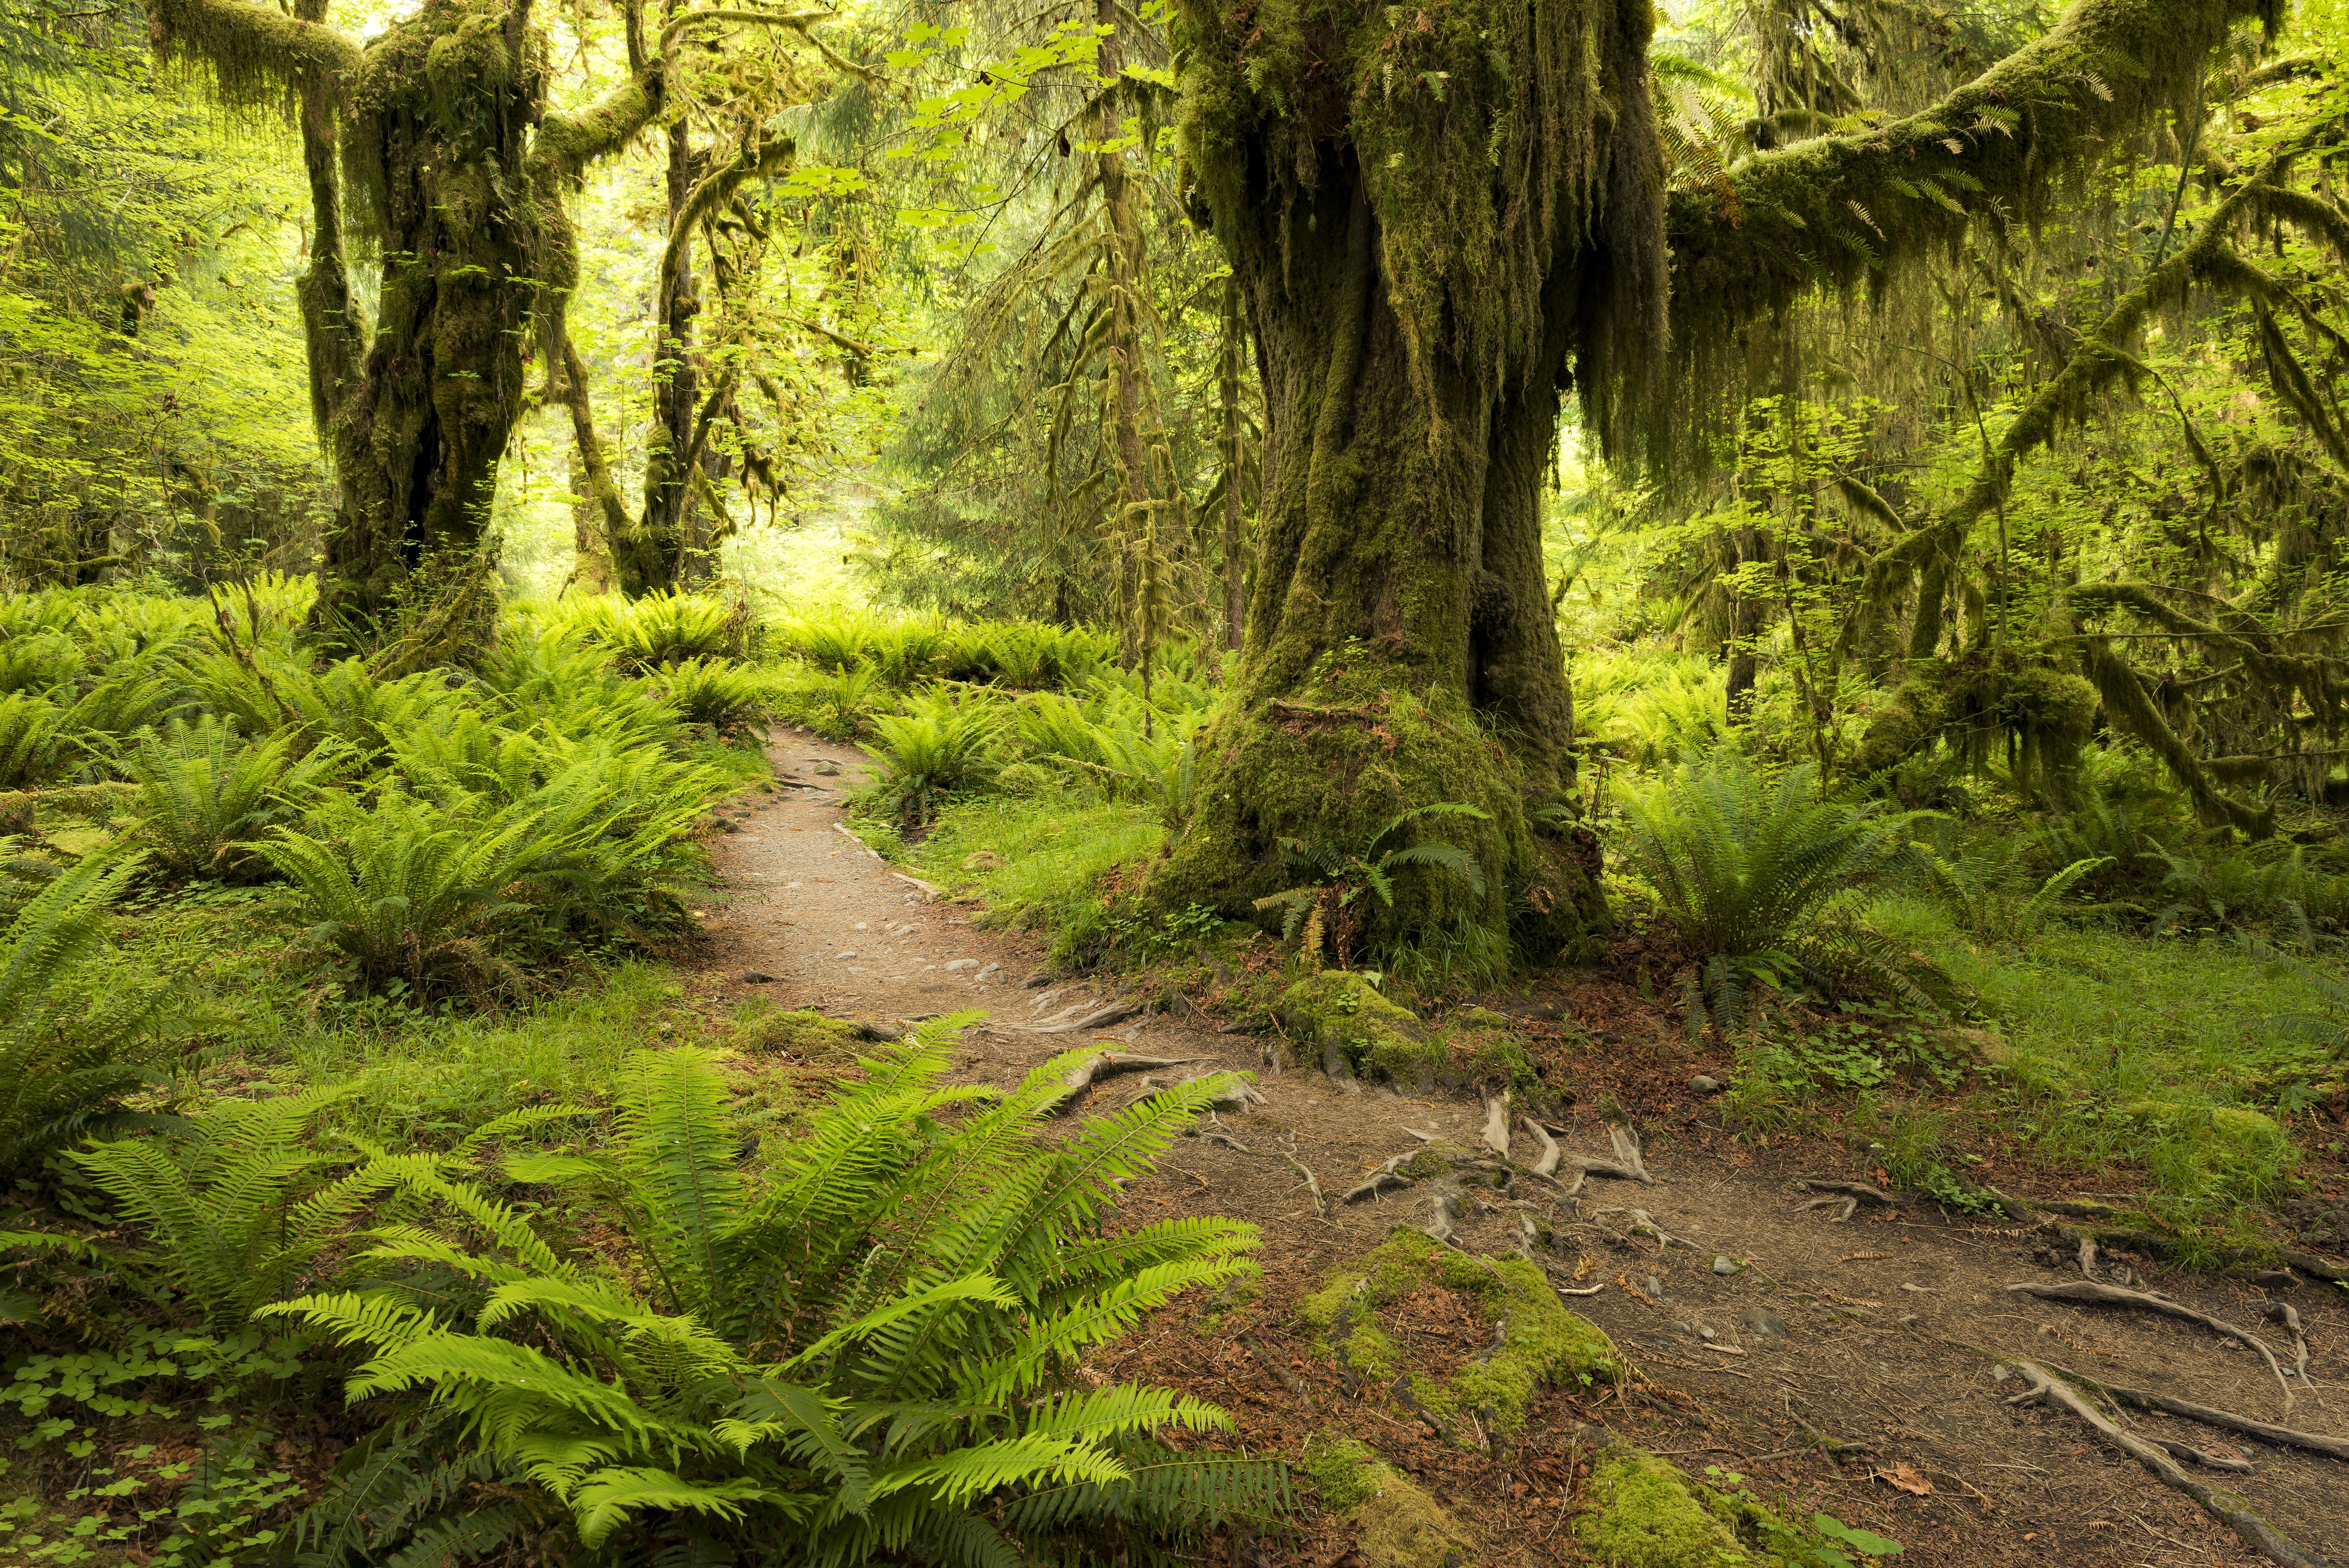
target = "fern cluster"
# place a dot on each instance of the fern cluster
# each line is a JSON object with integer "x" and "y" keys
{"x": 860, "y": 1355}
{"x": 1767, "y": 877}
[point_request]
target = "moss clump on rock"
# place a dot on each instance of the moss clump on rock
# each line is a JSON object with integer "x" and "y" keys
{"x": 1343, "y": 1018}
{"x": 1401, "y": 1525}
{"x": 1643, "y": 1512}
{"x": 1539, "y": 1343}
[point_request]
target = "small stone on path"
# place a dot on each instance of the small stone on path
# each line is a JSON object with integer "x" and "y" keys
{"x": 1762, "y": 1321}
{"x": 992, "y": 971}
{"x": 754, "y": 977}
{"x": 1704, "y": 1086}
{"x": 849, "y": 954}
{"x": 1725, "y": 1265}
{"x": 953, "y": 965}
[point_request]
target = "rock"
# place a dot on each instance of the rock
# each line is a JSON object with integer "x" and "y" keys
{"x": 955, "y": 966}
{"x": 1761, "y": 1322}
{"x": 826, "y": 770}
{"x": 754, "y": 977}
{"x": 1706, "y": 1334}
{"x": 1725, "y": 1265}
{"x": 1041, "y": 976}
{"x": 1653, "y": 1286}
{"x": 726, "y": 824}
{"x": 1704, "y": 1086}
{"x": 864, "y": 926}
{"x": 848, "y": 953}
{"x": 992, "y": 972}
{"x": 791, "y": 885}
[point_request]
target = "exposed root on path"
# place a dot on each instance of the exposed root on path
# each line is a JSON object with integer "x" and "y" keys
{"x": 1626, "y": 1166}
{"x": 2087, "y": 1293}
{"x": 1844, "y": 1195}
{"x": 1109, "y": 1064}
{"x": 2225, "y": 1420}
{"x": 2223, "y": 1506}
{"x": 1068, "y": 1022}
{"x": 2287, "y": 1314}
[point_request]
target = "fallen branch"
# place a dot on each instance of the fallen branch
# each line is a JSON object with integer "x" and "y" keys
{"x": 2224, "y": 1507}
{"x": 2088, "y": 1293}
{"x": 2225, "y": 1420}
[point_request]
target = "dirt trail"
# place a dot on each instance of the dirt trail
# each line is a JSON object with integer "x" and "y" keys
{"x": 1885, "y": 1330}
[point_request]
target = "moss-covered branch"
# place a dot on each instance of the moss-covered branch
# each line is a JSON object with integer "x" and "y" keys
{"x": 254, "y": 53}
{"x": 1851, "y": 207}
{"x": 2128, "y": 707}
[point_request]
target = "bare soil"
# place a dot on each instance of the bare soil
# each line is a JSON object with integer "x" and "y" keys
{"x": 1857, "y": 1367}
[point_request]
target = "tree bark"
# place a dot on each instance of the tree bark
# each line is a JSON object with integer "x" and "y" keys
{"x": 1430, "y": 251}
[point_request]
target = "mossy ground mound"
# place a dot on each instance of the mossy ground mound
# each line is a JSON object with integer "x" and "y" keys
{"x": 1401, "y": 1525}
{"x": 1643, "y": 1512}
{"x": 1343, "y": 1021}
{"x": 1536, "y": 1342}
{"x": 803, "y": 1032}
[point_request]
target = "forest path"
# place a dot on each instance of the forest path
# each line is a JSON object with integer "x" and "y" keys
{"x": 1884, "y": 1331}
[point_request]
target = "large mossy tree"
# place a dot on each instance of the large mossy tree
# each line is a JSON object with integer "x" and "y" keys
{"x": 432, "y": 150}
{"x": 1444, "y": 219}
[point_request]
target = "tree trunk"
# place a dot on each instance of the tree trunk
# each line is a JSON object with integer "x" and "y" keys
{"x": 1429, "y": 254}
{"x": 436, "y": 134}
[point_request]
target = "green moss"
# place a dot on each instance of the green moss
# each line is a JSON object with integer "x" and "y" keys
{"x": 801, "y": 1033}
{"x": 1401, "y": 1526}
{"x": 1339, "y": 1018}
{"x": 1643, "y": 1512}
{"x": 1539, "y": 1343}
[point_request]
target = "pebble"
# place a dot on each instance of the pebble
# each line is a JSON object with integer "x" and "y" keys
{"x": 826, "y": 769}
{"x": 754, "y": 977}
{"x": 954, "y": 966}
{"x": 1654, "y": 1286}
{"x": 850, "y": 953}
{"x": 1707, "y": 1335}
{"x": 791, "y": 885}
{"x": 1704, "y": 1086}
{"x": 992, "y": 971}
{"x": 1725, "y": 1265}
{"x": 864, "y": 926}
{"x": 1762, "y": 1321}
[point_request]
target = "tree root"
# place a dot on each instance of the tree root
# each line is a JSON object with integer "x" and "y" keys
{"x": 1846, "y": 1194}
{"x": 1066, "y": 1021}
{"x": 2224, "y": 1507}
{"x": 2287, "y": 1314}
{"x": 1497, "y": 1123}
{"x": 1627, "y": 1165}
{"x": 1320, "y": 1204}
{"x": 1644, "y": 1224}
{"x": 1384, "y": 1179}
{"x": 2225, "y": 1420}
{"x": 1109, "y": 1064}
{"x": 1550, "y": 1153}
{"x": 1289, "y": 1380}
{"x": 1446, "y": 1202}
{"x": 2088, "y": 1293}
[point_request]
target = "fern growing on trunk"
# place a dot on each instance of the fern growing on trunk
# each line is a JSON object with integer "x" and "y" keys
{"x": 861, "y": 1356}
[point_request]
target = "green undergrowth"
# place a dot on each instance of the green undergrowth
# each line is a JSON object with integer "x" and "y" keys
{"x": 1539, "y": 1343}
{"x": 2189, "y": 1056}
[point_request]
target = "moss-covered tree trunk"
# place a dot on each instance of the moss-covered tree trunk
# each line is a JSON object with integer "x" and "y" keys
{"x": 1438, "y": 221}
{"x": 432, "y": 150}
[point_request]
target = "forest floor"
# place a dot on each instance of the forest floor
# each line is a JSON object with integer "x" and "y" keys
{"x": 1860, "y": 1367}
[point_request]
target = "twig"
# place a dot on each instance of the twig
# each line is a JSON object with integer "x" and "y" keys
{"x": 2088, "y": 1293}
{"x": 2255, "y": 1531}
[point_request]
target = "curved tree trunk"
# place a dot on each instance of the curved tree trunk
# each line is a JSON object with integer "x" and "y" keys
{"x": 1427, "y": 267}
